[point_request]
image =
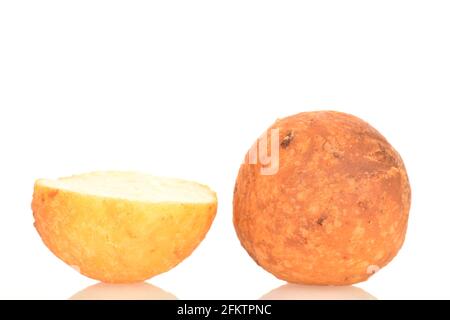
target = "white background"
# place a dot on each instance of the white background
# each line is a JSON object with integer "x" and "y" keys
{"x": 183, "y": 88}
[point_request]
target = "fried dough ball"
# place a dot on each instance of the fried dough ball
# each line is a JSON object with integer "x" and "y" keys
{"x": 334, "y": 212}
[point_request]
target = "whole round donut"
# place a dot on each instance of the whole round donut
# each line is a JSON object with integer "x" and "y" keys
{"x": 336, "y": 208}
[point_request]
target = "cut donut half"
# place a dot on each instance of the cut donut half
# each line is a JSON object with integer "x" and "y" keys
{"x": 122, "y": 227}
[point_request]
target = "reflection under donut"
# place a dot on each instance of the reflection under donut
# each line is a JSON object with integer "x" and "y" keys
{"x": 136, "y": 291}
{"x": 305, "y": 292}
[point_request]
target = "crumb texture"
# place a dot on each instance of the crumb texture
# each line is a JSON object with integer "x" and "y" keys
{"x": 134, "y": 186}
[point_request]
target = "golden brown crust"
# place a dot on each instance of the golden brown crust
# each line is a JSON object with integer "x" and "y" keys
{"x": 118, "y": 241}
{"x": 337, "y": 209}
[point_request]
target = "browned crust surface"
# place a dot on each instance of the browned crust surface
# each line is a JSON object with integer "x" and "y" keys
{"x": 118, "y": 241}
{"x": 337, "y": 209}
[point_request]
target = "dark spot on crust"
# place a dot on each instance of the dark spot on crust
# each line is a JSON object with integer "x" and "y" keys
{"x": 296, "y": 241}
{"x": 287, "y": 140}
{"x": 328, "y": 147}
{"x": 53, "y": 193}
{"x": 382, "y": 155}
{"x": 363, "y": 205}
{"x": 131, "y": 234}
{"x": 271, "y": 259}
{"x": 321, "y": 220}
{"x": 360, "y": 135}
{"x": 336, "y": 155}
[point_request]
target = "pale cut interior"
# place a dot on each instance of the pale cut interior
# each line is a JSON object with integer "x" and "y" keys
{"x": 135, "y": 187}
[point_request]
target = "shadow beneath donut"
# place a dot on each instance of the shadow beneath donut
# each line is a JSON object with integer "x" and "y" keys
{"x": 136, "y": 291}
{"x": 305, "y": 292}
